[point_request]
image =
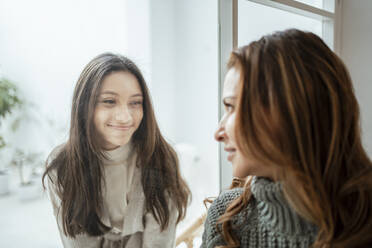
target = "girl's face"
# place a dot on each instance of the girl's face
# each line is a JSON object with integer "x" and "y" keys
{"x": 119, "y": 110}
{"x": 243, "y": 165}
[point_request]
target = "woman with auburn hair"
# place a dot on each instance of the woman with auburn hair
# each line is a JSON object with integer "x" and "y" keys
{"x": 292, "y": 126}
{"x": 116, "y": 181}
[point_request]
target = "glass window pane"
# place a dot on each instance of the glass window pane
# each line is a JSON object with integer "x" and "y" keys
{"x": 328, "y": 5}
{"x": 255, "y": 20}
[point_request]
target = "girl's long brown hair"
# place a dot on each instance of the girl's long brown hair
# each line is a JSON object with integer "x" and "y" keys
{"x": 297, "y": 111}
{"x": 78, "y": 167}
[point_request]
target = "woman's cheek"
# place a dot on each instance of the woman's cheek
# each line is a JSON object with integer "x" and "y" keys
{"x": 230, "y": 127}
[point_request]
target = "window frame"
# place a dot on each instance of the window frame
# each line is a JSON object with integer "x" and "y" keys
{"x": 228, "y": 40}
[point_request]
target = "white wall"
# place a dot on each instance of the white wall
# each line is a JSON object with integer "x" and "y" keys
{"x": 356, "y": 52}
{"x": 184, "y": 69}
{"x": 196, "y": 68}
{"x": 44, "y": 46}
{"x": 196, "y": 71}
{"x": 163, "y": 83}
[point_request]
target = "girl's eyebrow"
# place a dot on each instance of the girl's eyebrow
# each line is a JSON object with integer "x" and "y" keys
{"x": 109, "y": 92}
{"x": 139, "y": 94}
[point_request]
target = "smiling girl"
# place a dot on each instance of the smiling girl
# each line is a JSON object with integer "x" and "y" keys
{"x": 116, "y": 181}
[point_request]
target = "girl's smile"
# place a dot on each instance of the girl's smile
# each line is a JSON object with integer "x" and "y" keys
{"x": 120, "y": 127}
{"x": 119, "y": 109}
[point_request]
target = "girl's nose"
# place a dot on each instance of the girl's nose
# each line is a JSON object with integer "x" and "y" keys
{"x": 123, "y": 114}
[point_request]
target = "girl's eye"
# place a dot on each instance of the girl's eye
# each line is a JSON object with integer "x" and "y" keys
{"x": 137, "y": 103}
{"x": 109, "y": 101}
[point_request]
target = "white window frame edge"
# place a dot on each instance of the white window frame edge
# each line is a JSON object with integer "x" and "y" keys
{"x": 227, "y": 29}
{"x": 337, "y": 28}
{"x": 228, "y": 37}
{"x": 297, "y": 8}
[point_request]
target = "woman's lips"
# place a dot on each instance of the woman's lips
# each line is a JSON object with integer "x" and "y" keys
{"x": 231, "y": 151}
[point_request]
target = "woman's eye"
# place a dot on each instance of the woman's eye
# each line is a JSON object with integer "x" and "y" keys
{"x": 229, "y": 107}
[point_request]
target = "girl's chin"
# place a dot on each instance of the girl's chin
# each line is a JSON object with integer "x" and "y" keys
{"x": 110, "y": 148}
{"x": 117, "y": 143}
{"x": 114, "y": 146}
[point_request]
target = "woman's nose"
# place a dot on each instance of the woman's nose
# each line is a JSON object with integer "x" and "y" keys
{"x": 220, "y": 134}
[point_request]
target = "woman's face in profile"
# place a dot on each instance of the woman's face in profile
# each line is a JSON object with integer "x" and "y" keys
{"x": 119, "y": 110}
{"x": 243, "y": 166}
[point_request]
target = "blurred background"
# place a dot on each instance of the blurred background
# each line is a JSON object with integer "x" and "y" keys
{"x": 181, "y": 46}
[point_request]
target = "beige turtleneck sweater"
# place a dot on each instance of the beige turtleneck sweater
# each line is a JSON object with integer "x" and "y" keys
{"x": 123, "y": 209}
{"x": 119, "y": 170}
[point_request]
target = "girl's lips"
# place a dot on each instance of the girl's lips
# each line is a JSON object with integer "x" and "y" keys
{"x": 119, "y": 127}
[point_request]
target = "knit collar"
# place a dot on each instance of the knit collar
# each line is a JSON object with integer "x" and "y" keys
{"x": 118, "y": 155}
{"x": 274, "y": 209}
{"x": 266, "y": 190}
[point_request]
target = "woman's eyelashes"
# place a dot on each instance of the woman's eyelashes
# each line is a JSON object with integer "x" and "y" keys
{"x": 229, "y": 107}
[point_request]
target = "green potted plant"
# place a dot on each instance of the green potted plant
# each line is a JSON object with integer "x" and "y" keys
{"x": 8, "y": 101}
